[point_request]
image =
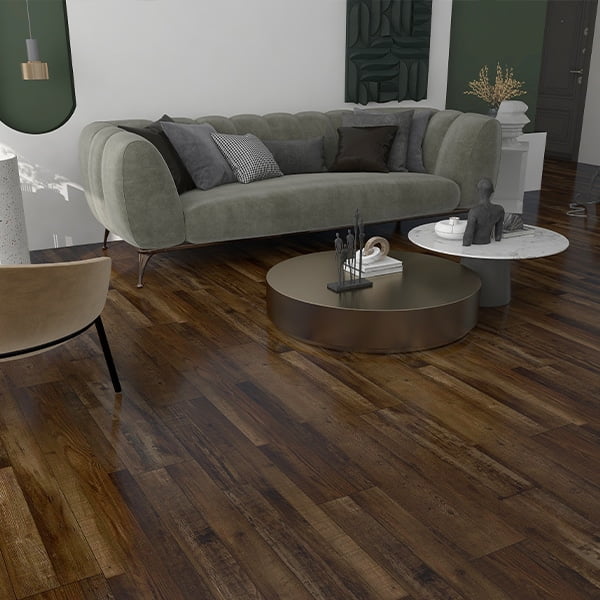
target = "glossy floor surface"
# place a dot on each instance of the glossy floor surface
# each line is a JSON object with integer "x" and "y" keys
{"x": 241, "y": 464}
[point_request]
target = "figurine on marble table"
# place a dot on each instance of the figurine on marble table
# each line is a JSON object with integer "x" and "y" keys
{"x": 484, "y": 219}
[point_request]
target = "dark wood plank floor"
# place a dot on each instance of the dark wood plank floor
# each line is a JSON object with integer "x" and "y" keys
{"x": 240, "y": 464}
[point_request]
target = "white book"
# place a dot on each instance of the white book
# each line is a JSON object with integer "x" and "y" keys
{"x": 383, "y": 266}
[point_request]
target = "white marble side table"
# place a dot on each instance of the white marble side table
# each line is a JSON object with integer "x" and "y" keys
{"x": 492, "y": 261}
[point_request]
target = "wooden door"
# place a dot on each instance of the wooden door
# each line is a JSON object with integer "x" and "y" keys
{"x": 564, "y": 74}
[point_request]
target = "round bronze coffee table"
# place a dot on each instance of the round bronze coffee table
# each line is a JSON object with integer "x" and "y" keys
{"x": 432, "y": 302}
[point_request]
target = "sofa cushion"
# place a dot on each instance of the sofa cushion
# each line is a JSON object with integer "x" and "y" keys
{"x": 156, "y": 136}
{"x": 414, "y": 156}
{"x": 364, "y": 148}
{"x": 298, "y": 156}
{"x": 401, "y": 119}
{"x": 199, "y": 153}
{"x": 249, "y": 158}
{"x": 312, "y": 202}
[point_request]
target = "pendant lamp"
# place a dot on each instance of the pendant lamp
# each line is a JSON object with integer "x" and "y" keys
{"x": 34, "y": 68}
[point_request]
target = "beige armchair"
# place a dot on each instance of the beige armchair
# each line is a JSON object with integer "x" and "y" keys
{"x": 44, "y": 305}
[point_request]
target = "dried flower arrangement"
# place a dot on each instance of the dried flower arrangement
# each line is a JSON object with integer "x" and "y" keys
{"x": 504, "y": 88}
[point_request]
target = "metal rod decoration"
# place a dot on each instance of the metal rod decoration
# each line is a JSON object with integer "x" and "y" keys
{"x": 361, "y": 229}
{"x": 345, "y": 256}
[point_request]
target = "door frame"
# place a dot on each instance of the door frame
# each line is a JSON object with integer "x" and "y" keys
{"x": 590, "y": 9}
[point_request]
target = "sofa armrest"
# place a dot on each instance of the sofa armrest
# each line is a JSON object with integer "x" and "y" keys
{"x": 469, "y": 152}
{"x": 129, "y": 188}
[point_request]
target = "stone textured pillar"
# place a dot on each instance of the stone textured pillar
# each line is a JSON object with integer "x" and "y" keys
{"x": 14, "y": 248}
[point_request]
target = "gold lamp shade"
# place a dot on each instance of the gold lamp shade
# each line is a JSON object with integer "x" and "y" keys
{"x": 34, "y": 68}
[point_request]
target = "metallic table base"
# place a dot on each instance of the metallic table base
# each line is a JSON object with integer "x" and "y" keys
{"x": 433, "y": 302}
{"x": 495, "y": 280}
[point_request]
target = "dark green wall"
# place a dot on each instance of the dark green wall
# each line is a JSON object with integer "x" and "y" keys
{"x": 490, "y": 31}
{"x": 35, "y": 106}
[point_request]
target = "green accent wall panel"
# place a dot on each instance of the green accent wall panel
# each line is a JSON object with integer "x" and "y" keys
{"x": 490, "y": 31}
{"x": 387, "y": 50}
{"x": 35, "y": 106}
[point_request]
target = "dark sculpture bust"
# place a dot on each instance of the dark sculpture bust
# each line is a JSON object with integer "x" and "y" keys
{"x": 484, "y": 218}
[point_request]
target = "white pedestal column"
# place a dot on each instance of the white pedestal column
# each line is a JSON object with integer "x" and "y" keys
{"x": 14, "y": 248}
{"x": 535, "y": 159}
{"x": 510, "y": 186}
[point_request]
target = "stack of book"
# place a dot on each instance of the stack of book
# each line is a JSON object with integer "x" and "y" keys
{"x": 383, "y": 266}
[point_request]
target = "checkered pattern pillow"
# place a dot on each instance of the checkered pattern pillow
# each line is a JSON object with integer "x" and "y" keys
{"x": 248, "y": 157}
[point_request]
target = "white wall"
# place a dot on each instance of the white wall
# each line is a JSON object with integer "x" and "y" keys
{"x": 589, "y": 148}
{"x": 143, "y": 58}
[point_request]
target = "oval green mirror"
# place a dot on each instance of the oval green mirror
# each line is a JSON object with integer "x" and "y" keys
{"x": 35, "y": 105}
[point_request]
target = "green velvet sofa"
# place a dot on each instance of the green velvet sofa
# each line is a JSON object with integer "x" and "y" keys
{"x": 131, "y": 192}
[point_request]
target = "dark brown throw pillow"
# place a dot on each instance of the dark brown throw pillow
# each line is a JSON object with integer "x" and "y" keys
{"x": 401, "y": 119}
{"x": 157, "y": 137}
{"x": 364, "y": 148}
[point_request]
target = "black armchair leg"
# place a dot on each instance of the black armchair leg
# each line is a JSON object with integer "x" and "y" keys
{"x": 107, "y": 355}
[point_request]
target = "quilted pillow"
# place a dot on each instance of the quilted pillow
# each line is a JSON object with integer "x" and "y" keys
{"x": 248, "y": 157}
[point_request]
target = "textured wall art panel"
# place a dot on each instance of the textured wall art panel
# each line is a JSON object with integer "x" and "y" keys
{"x": 387, "y": 50}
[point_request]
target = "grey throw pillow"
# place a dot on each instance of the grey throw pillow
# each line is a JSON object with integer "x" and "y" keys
{"x": 298, "y": 156}
{"x": 157, "y": 137}
{"x": 401, "y": 119}
{"x": 248, "y": 157}
{"x": 200, "y": 155}
{"x": 414, "y": 157}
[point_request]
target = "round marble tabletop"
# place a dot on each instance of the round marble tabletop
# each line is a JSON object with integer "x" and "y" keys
{"x": 539, "y": 242}
{"x": 492, "y": 261}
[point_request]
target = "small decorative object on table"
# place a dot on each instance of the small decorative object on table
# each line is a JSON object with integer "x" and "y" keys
{"x": 484, "y": 219}
{"x": 512, "y": 118}
{"x": 347, "y": 254}
{"x": 514, "y": 226}
{"x": 512, "y": 222}
{"x": 375, "y": 259}
{"x": 452, "y": 228}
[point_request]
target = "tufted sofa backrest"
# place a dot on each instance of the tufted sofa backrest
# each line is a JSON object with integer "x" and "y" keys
{"x": 303, "y": 125}
{"x": 287, "y": 126}
{"x": 283, "y": 126}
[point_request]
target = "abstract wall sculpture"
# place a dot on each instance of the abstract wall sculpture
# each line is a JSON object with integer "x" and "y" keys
{"x": 387, "y": 50}
{"x": 35, "y": 106}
